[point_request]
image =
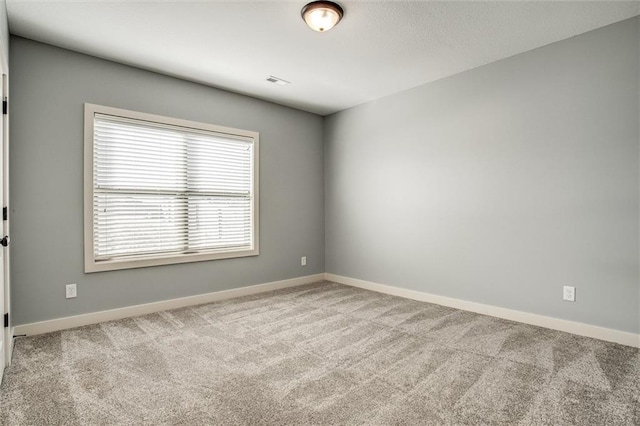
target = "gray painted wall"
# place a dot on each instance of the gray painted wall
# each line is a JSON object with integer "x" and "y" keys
{"x": 48, "y": 89}
{"x": 501, "y": 184}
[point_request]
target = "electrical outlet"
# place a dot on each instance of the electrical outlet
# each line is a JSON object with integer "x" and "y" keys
{"x": 303, "y": 261}
{"x": 71, "y": 291}
{"x": 569, "y": 293}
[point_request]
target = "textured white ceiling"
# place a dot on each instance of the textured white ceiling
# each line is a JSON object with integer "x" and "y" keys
{"x": 380, "y": 47}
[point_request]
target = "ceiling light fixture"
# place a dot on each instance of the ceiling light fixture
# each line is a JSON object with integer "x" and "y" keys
{"x": 321, "y": 16}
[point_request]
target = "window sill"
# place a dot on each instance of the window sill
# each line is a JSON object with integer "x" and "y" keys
{"x": 143, "y": 262}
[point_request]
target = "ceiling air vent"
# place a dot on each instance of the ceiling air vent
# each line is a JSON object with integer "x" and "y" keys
{"x": 278, "y": 81}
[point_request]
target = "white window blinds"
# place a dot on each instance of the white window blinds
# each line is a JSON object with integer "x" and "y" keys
{"x": 162, "y": 189}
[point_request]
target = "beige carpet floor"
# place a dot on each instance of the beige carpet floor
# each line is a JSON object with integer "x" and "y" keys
{"x": 319, "y": 354}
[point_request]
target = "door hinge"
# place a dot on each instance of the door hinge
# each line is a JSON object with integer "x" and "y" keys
{"x": 5, "y": 107}
{"x": 5, "y": 213}
{"x": 6, "y": 320}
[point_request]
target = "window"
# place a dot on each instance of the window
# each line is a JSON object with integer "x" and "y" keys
{"x": 160, "y": 190}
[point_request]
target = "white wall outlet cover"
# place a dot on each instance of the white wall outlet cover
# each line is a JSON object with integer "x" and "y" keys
{"x": 71, "y": 291}
{"x": 303, "y": 261}
{"x": 569, "y": 293}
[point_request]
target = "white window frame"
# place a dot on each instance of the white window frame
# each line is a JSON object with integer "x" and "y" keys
{"x": 93, "y": 265}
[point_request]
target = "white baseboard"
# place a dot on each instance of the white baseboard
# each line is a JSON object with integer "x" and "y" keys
{"x": 581, "y": 329}
{"x": 148, "y": 308}
{"x": 601, "y": 333}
